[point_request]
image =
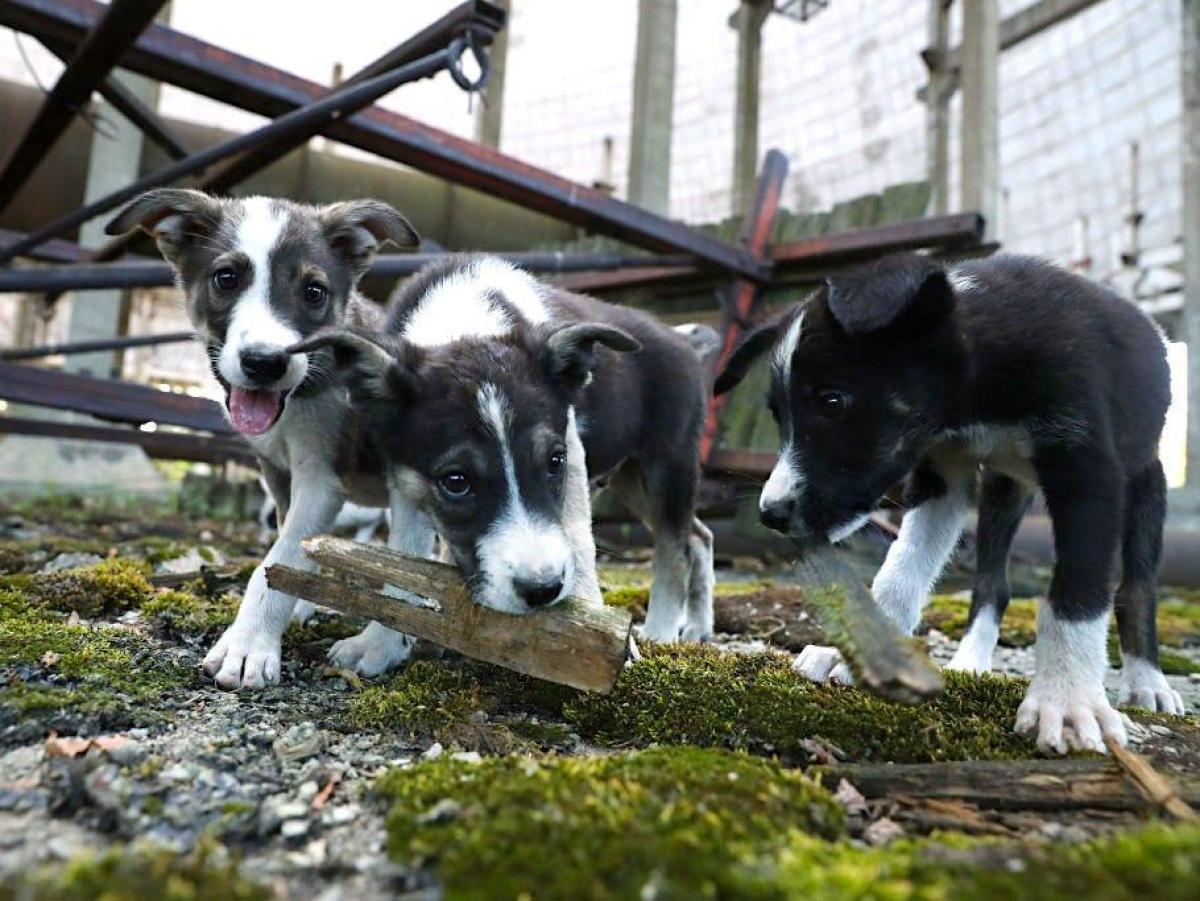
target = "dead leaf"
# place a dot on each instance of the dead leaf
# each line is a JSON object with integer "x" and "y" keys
{"x": 50, "y": 658}
{"x": 322, "y": 797}
{"x": 883, "y": 831}
{"x": 68, "y": 746}
{"x": 850, "y": 798}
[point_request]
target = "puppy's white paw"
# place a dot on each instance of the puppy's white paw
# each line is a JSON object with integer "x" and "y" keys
{"x": 243, "y": 658}
{"x": 372, "y": 651}
{"x": 1143, "y": 685}
{"x": 966, "y": 660}
{"x": 1066, "y": 717}
{"x": 662, "y": 627}
{"x": 302, "y": 611}
{"x": 822, "y": 664}
{"x": 696, "y": 631}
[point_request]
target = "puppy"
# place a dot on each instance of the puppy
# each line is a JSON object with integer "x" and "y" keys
{"x": 485, "y": 394}
{"x": 259, "y": 274}
{"x": 1011, "y": 373}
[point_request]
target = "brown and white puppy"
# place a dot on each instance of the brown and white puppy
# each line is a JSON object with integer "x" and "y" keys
{"x": 260, "y": 274}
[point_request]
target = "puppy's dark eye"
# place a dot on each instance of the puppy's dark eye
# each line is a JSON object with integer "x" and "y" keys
{"x": 832, "y": 404}
{"x": 226, "y": 279}
{"x": 316, "y": 293}
{"x": 557, "y": 463}
{"x": 455, "y": 484}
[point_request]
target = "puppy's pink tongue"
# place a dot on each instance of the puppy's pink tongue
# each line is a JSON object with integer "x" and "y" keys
{"x": 253, "y": 412}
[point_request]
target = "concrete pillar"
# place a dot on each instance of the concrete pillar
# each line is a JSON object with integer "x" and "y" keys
{"x": 653, "y": 107}
{"x": 937, "y": 108}
{"x": 748, "y": 21}
{"x": 490, "y": 117}
{"x": 1190, "y": 53}
{"x": 114, "y": 162}
{"x": 980, "y": 110}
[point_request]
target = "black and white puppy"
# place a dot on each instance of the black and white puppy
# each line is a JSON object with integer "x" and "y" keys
{"x": 485, "y": 393}
{"x": 260, "y": 274}
{"x": 1008, "y": 372}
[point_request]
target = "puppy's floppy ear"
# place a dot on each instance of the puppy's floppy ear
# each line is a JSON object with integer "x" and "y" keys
{"x": 174, "y": 217}
{"x": 760, "y": 340}
{"x": 905, "y": 289}
{"x": 569, "y": 354}
{"x": 370, "y": 370}
{"x": 356, "y": 229}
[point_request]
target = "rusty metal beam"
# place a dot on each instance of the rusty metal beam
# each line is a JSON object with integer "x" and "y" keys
{"x": 191, "y": 64}
{"x": 110, "y": 399}
{"x": 146, "y": 273}
{"x": 87, "y": 347}
{"x": 742, "y": 294}
{"x": 159, "y": 444}
{"x": 132, "y": 108}
{"x": 111, "y": 32}
{"x": 304, "y": 120}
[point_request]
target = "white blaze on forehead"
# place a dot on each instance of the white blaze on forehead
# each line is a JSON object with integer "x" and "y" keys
{"x": 962, "y": 281}
{"x": 786, "y": 349}
{"x": 786, "y": 480}
{"x": 463, "y": 305}
{"x": 254, "y": 323}
{"x": 519, "y": 545}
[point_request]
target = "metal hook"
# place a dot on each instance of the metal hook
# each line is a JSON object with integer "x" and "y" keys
{"x": 457, "y": 48}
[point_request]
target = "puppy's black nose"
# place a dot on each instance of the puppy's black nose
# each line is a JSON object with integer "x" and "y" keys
{"x": 776, "y": 516}
{"x": 264, "y": 366}
{"x": 538, "y": 594}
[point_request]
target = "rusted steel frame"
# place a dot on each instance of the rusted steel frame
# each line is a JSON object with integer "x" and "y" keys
{"x": 162, "y": 445}
{"x": 742, "y": 293}
{"x": 480, "y": 20}
{"x": 115, "y": 30}
{"x": 56, "y": 251}
{"x": 146, "y": 273}
{"x": 959, "y": 229}
{"x": 110, "y": 399}
{"x": 86, "y": 347}
{"x": 185, "y": 62}
{"x": 298, "y": 121}
{"x": 963, "y": 230}
{"x": 123, "y": 100}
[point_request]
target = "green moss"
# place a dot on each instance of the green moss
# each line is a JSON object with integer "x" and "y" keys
{"x": 667, "y": 822}
{"x": 1155, "y": 862}
{"x": 948, "y": 615}
{"x": 30, "y": 555}
{"x": 1177, "y": 664}
{"x": 696, "y": 695}
{"x": 424, "y": 699}
{"x": 1179, "y": 622}
{"x": 635, "y": 596}
{"x": 160, "y": 875}
{"x": 183, "y": 612}
{"x": 101, "y": 671}
{"x": 107, "y": 588}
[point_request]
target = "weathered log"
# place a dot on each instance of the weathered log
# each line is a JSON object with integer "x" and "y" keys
{"x": 884, "y": 662}
{"x": 571, "y": 643}
{"x": 1152, "y": 785}
{"x": 1069, "y": 784}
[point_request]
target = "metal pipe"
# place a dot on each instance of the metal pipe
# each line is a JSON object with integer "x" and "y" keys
{"x": 335, "y": 105}
{"x": 84, "y": 347}
{"x": 159, "y": 444}
{"x": 156, "y": 274}
{"x": 115, "y": 31}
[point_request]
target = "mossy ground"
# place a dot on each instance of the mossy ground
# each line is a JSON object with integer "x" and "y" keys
{"x": 695, "y": 695}
{"x": 676, "y": 822}
{"x": 142, "y": 875}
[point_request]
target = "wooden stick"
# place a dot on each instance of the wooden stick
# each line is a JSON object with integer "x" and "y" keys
{"x": 1050, "y": 785}
{"x": 883, "y": 662}
{"x": 1152, "y": 785}
{"x": 571, "y": 643}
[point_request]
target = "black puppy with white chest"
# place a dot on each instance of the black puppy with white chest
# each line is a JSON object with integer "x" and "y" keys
{"x": 1006, "y": 375}
{"x": 494, "y": 399}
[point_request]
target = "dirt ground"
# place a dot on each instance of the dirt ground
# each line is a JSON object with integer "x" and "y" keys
{"x": 708, "y": 772}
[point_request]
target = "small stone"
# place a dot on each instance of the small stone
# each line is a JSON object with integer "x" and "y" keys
{"x": 443, "y": 811}
{"x": 307, "y": 791}
{"x": 882, "y": 831}
{"x": 293, "y": 829}
{"x": 434, "y": 751}
{"x": 292, "y": 810}
{"x": 479, "y": 717}
{"x": 339, "y": 816}
{"x": 467, "y": 756}
{"x": 1194, "y": 677}
{"x": 299, "y": 742}
{"x": 71, "y": 561}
